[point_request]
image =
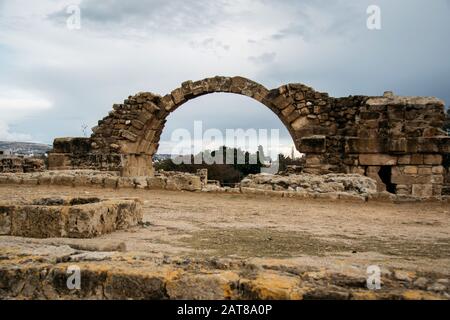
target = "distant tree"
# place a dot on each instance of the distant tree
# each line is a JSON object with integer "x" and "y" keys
{"x": 242, "y": 165}
{"x": 284, "y": 162}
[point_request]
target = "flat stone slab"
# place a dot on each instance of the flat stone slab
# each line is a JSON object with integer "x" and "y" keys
{"x": 69, "y": 217}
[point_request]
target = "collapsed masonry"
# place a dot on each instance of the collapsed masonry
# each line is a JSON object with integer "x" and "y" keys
{"x": 15, "y": 164}
{"x": 397, "y": 141}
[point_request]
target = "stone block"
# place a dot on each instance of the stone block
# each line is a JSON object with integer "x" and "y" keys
{"x": 5, "y": 219}
{"x": 417, "y": 159}
{"x": 111, "y": 182}
{"x": 45, "y": 179}
{"x": 398, "y": 145}
{"x": 432, "y": 159}
{"x": 63, "y": 180}
{"x": 406, "y": 159}
{"x": 422, "y": 190}
{"x": 300, "y": 123}
{"x": 156, "y": 183}
{"x": 411, "y": 170}
{"x": 69, "y": 217}
{"x": 437, "y": 178}
{"x": 125, "y": 182}
{"x": 168, "y": 103}
{"x": 30, "y": 180}
{"x": 58, "y": 161}
{"x": 182, "y": 181}
{"x": 314, "y": 144}
{"x": 437, "y": 169}
{"x": 74, "y": 145}
{"x": 412, "y": 179}
{"x": 128, "y": 135}
{"x": 140, "y": 182}
{"x": 360, "y": 145}
{"x": 402, "y": 189}
{"x": 178, "y": 96}
{"x": 98, "y": 180}
{"x": 312, "y": 159}
{"x": 3, "y": 179}
{"x": 437, "y": 189}
{"x": 424, "y": 170}
{"x": 377, "y": 160}
{"x": 82, "y": 180}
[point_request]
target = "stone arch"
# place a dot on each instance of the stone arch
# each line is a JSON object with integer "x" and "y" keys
{"x": 396, "y": 140}
{"x": 133, "y": 128}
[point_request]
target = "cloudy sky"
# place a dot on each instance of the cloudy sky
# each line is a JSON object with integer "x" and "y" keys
{"x": 54, "y": 79}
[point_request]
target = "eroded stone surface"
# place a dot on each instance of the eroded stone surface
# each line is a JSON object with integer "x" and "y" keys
{"x": 198, "y": 245}
{"x": 40, "y": 272}
{"x": 70, "y": 217}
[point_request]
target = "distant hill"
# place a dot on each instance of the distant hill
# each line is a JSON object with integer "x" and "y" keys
{"x": 24, "y": 148}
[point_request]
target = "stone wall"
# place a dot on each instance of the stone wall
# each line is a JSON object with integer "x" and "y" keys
{"x": 395, "y": 140}
{"x": 446, "y": 187}
{"x": 174, "y": 181}
{"x": 18, "y": 164}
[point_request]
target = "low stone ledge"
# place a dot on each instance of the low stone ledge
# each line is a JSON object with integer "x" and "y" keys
{"x": 176, "y": 181}
{"x": 68, "y": 217}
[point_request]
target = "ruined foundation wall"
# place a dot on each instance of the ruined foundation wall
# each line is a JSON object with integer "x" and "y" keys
{"x": 395, "y": 140}
{"x": 14, "y": 164}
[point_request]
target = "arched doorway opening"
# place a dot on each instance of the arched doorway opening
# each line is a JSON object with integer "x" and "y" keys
{"x": 230, "y": 135}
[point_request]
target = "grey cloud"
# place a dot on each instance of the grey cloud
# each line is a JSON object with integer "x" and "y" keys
{"x": 161, "y": 16}
{"x": 265, "y": 58}
{"x": 339, "y": 17}
{"x": 331, "y": 52}
{"x": 210, "y": 44}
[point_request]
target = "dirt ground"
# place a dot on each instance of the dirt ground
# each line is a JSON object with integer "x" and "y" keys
{"x": 336, "y": 235}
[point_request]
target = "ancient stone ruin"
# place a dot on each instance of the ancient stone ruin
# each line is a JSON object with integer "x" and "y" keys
{"x": 398, "y": 141}
{"x": 15, "y": 164}
{"x": 71, "y": 218}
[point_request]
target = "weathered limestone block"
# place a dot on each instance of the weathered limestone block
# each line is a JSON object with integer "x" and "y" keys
{"x": 411, "y": 170}
{"x": 314, "y": 144}
{"x": 424, "y": 170}
{"x": 412, "y": 179}
{"x": 398, "y": 145}
{"x": 377, "y": 160}
{"x": 311, "y": 184}
{"x": 402, "y": 189}
{"x": 98, "y": 180}
{"x": 360, "y": 145}
{"x": 422, "y": 190}
{"x": 71, "y": 145}
{"x": 70, "y": 217}
{"x": 125, "y": 182}
{"x": 111, "y": 182}
{"x": 156, "y": 183}
{"x": 45, "y": 179}
{"x": 182, "y": 181}
{"x": 81, "y": 180}
{"x": 140, "y": 182}
{"x": 63, "y": 180}
{"x": 433, "y": 159}
{"x": 32, "y": 180}
{"x": 59, "y": 161}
